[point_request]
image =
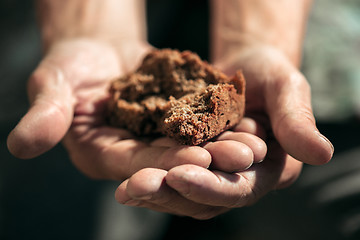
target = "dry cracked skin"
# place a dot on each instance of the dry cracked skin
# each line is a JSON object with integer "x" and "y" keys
{"x": 178, "y": 95}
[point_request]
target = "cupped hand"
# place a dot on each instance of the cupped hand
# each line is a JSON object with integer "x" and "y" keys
{"x": 278, "y": 101}
{"x": 203, "y": 193}
{"x": 278, "y": 96}
{"x": 68, "y": 93}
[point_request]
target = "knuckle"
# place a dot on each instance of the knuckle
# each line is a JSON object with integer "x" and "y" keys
{"x": 248, "y": 194}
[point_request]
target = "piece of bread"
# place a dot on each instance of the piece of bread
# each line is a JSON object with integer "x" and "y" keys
{"x": 176, "y": 94}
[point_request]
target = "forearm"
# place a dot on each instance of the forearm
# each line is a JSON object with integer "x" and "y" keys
{"x": 104, "y": 19}
{"x": 278, "y": 23}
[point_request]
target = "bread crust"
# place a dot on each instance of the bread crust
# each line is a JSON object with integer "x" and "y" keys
{"x": 178, "y": 95}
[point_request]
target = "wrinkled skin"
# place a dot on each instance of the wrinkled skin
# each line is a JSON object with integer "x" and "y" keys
{"x": 279, "y": 111}
{"x": 68, "y": 93}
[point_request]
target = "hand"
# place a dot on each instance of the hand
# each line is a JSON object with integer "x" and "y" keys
{"x": 201, "y": 193}
{"x": 68, "y": 93}
{"x": 278, "y": 97}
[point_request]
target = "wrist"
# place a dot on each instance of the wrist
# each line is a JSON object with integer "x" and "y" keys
{"x": 241, "y": 43}
{"x": 106, "y": 20}
{"x": 278, "y": 24}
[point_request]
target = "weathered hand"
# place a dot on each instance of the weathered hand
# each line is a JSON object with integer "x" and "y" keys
{"x": 200, "y": 192}
{"x": 278, "y": 97}
{"x": 278, "y": 101}
{"x": 68, "y": 92}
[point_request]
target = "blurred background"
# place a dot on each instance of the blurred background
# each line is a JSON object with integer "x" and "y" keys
{"x": 47, "y": 198}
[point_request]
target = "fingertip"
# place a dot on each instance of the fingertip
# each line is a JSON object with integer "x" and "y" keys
{"x": 120, "y": 193}
{"x": 37, "y": 132}
{"x": 259, "y": 150}
{"x": 23, "y": 145}
{"x": 186, "y": 155}
{"x": 255, "y": 143}
{"x": 145, "y": 182}
{"x": 203, "y": 157}
{"x": 15, "y": 145}
{"x": 325, "y": 152}
{"x": 299, "y": 137}
{"x": 230, "y": 155}
{"x": 309, "y": 147}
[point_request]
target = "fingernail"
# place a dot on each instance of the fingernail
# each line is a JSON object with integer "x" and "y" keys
{"x": 181, "y": 187}
{"x": 326, "y": 140}
{"x": 132, "y": 203}
{"x": 260, "y": 161}
{"x": 248, "y": 166}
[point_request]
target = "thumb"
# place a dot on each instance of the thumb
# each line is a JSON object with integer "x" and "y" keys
{"x": 293, "y": 123}
{"x": 49, "y": 116}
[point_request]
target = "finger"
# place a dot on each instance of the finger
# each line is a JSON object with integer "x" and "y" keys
{"x": 110, "y": 149}
{"x": 257, "y": 146}
{"x": 249, "y": 125}
{"x": 49, "y": 116}
{"x": 224, "y": 189}
{"x": 290, "y": 174}
{"x": 141, "y": 156}
{"x": 229, "y": 155}
{"x": 211, "y": 188}
{"x": 122, "y": 196}
{"x": 147, "y": 188}
{"x": 166, "y": 158}
{"x": 293, "y": 123}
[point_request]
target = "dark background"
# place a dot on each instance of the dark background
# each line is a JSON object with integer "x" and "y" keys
{"x": 47, "y": 198}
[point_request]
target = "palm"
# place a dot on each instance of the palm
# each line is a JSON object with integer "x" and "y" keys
{"x": 278, "y": 98}
{"x": 69, "y": 90}
{"x": 84, "y": 70}
{"x": 208, "y": 193}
